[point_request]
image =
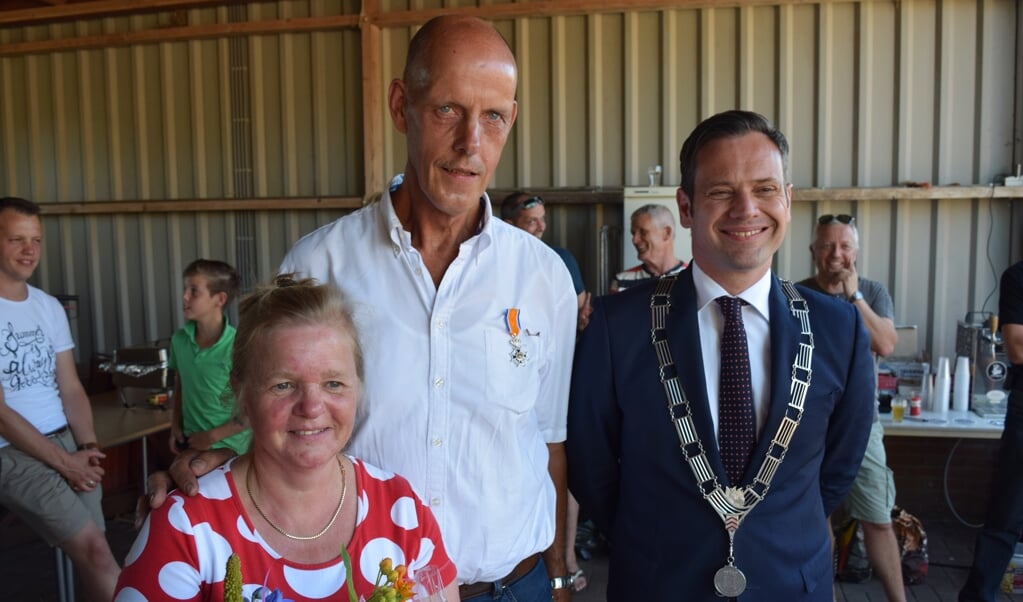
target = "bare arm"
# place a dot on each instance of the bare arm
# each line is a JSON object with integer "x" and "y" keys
{"x": 882, "y": 330}
{"x": 177, "y": 430}
{"x": 77, "y": 468}
{"x": 205, "y": 439}
{"x": 451, "y": 591}
{"x": 1012, "y": 334}
{"x": 554, "y": 556}
{"x": 76, "y": 403}
{"x": 187, "y": 467}
{"x": 585, "y": 309}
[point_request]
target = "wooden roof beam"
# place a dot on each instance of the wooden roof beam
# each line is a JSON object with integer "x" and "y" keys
{"x": 63, "y": 11}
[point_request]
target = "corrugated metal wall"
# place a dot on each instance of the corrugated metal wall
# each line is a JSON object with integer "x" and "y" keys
{"x": 870, "y": 94}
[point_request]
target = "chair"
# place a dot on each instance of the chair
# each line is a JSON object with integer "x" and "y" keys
{"x": 65, "y": 577}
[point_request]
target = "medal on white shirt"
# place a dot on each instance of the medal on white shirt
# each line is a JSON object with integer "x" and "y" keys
{"x": 511, "y": 321}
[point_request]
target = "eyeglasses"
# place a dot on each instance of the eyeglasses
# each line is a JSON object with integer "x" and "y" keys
{"x": 841, "y": 218}
{"x": 531, "y": 202}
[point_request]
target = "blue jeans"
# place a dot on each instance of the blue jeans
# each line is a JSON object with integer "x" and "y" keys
{"x": 1003, "y": 523}
{"x": 534, "y": 586}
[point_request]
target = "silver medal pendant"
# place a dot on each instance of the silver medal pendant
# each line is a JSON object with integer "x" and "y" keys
{"x": 729, "y": 581}
{"x": 518, "y": 355}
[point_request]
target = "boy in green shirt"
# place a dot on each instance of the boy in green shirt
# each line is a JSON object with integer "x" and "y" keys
{"x": 204, "y": 414}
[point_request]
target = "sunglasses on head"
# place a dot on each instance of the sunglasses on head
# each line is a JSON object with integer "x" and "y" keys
{"x": 841, "y": 218}
{"x": 531, "y": 202}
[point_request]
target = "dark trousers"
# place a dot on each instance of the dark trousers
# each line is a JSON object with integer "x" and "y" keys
{"x": 1003, "y": 523}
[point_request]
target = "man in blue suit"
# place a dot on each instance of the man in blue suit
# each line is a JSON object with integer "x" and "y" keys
{"x": 652, "y": 414}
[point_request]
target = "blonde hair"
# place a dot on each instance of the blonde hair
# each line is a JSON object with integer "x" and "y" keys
{"x": 288, "y": 302}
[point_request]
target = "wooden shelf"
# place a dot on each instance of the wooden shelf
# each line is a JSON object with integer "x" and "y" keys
{"x": 558, "y": 196}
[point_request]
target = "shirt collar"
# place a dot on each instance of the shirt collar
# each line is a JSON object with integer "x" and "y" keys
{"x": 707, "y": 290}
{"x": 403, "y": 238}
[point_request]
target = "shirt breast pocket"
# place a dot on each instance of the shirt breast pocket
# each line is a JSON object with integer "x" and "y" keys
{"x": 512, "y": 371}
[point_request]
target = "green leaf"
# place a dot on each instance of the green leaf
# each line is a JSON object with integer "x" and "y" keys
{"x": 348, "y": 575}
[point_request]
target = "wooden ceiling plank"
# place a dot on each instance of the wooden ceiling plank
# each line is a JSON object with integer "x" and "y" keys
{"x": 403, "y": 18}
{"x": 177, "y": 34}
{"x": 62, "y": 11}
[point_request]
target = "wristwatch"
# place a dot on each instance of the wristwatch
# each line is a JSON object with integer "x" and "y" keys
{"x": 562, "y": 582}
{"x": 853, "y": 298}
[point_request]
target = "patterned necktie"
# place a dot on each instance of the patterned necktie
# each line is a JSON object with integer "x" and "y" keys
{"x": 736, "y": 421}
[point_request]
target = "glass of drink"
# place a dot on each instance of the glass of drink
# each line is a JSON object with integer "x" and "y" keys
{"x": 899, "y": 409}
{"x": 429, "y": 585}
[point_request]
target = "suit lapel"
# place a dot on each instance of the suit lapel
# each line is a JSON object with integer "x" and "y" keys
{"x": 684, "y": 331}
{"x": 784, "y": 346}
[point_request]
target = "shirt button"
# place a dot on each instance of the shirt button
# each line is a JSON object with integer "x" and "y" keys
{"x": 435, "y": 501}
{"x": 441, "y": 323}
{"x": 439, "y": 382}
{"x": 419, "y": 272}
{"x": 437, "y": 442}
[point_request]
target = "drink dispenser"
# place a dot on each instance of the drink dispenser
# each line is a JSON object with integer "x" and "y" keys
{"x": 992, "y": 365}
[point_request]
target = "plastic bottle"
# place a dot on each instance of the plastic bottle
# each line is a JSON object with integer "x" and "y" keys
{"x": 942, "y": 389}
{"x": 962, "y": 391}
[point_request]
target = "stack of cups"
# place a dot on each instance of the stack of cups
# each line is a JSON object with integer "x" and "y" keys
{"x": 942, "y": 389}
{"x": 961, "y": 394}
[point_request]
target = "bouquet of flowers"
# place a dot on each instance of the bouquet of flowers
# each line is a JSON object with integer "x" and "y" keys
{"x": 392, "y": 583}
{"x": 233, "y": 585}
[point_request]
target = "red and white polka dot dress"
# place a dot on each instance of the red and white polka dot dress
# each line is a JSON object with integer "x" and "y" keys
{"x": 182, "y": 550}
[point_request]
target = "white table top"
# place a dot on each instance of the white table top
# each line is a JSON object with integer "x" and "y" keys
{"x": 955, "y": 424}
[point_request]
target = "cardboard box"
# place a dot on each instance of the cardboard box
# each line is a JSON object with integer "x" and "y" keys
{"x": 909, "y": 375}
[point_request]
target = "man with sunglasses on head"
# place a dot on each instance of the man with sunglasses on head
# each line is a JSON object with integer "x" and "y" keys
{"x": 872, "y": 495}
{"x": 526, "y": 212}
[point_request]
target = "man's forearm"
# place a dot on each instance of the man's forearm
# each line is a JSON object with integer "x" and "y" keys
{"x": 1012, "y": 334}
{"x": 882, "y": 330}
{"x": 27, "y": 438}
{"x": 554, "y": 556}
{"x": 74, "y": 399}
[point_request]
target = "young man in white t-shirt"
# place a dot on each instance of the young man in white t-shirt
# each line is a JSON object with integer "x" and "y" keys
{"x": 49, "y": 462}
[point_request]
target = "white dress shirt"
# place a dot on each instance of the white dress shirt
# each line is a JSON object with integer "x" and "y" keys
{"x": 756, "y": 317}
{"x": 445, "y": 405}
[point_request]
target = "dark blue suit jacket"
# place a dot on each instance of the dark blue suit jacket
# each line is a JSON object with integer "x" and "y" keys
{"x": 629, "y": 475}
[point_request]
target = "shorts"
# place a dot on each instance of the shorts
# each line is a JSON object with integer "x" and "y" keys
{"x": 873, "y": 490}
{"x": 42, "y": 499}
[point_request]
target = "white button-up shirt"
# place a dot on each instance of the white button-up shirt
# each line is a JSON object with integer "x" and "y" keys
{"x": 756, "y": 317}
{"x": 445, "y": 405}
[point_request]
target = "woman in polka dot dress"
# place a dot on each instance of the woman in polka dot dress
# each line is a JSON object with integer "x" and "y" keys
{"x": 288, "y": 505}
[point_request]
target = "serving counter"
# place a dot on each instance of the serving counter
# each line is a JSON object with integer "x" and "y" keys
{"x": 962, "y": 425}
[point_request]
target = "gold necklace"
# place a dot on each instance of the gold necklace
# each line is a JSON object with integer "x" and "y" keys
{"x": 337, "y": 511}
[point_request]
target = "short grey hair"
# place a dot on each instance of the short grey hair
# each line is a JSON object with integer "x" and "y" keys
{"x": 658, "y": 213}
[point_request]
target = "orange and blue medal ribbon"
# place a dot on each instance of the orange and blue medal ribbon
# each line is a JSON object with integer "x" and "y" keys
{"x": 511, "y": 322}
